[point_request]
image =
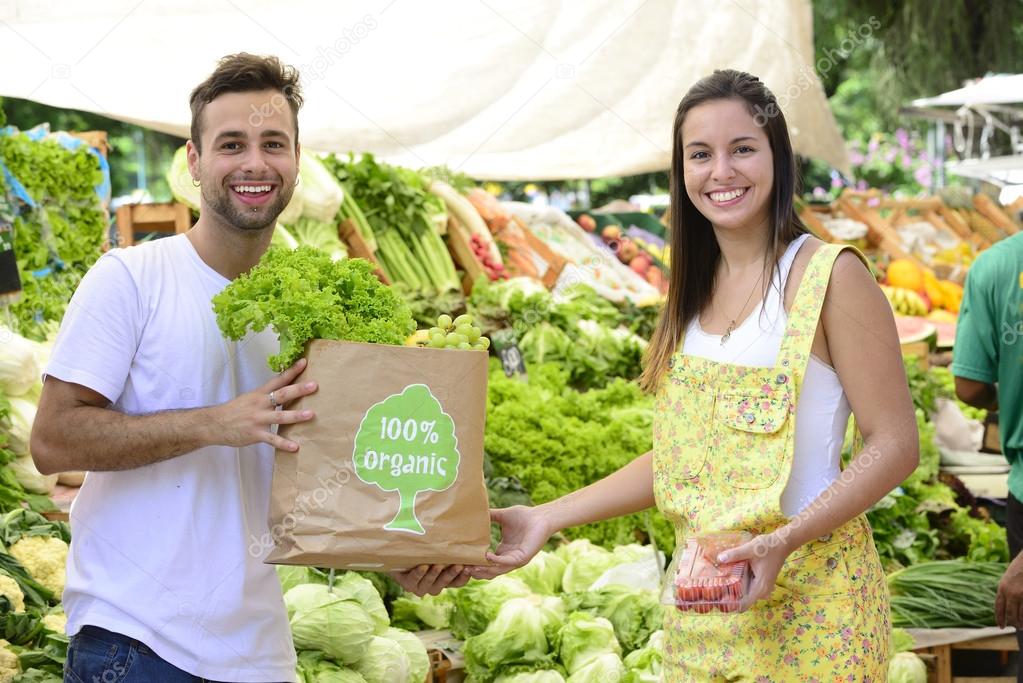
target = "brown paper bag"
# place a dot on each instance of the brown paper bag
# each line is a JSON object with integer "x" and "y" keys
{"x": 389, "y": 474}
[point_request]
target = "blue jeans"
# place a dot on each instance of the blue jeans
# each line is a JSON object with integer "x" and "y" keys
{"x": 96, "y": 655}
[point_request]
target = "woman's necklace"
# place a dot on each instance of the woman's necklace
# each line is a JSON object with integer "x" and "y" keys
{"x": 731, "y": 325}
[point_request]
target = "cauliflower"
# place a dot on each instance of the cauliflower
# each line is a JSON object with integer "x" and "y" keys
{"x": 44, "y": 558}
{"x": 56, "y": 622}
{"x": 10, "y": 589}
{"x": 9, "y": 667}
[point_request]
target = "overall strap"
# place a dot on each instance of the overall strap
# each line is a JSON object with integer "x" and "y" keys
{"x": 806, "y": 309}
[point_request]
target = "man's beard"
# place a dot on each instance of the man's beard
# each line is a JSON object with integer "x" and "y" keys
{"x": 247, "y": 218}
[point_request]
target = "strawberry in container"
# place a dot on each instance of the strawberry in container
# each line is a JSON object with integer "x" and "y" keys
{"x": 699, "y": 583}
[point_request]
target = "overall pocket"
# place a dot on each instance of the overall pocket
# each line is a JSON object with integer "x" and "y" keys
{"x": 681, "y": 436}
{"x": 752, "y": 434}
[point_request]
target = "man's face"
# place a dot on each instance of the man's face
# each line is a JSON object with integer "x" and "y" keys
{"x": 249, "y": 159}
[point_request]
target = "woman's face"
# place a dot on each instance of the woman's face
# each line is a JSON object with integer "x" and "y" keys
{"x": 728, "y": 164}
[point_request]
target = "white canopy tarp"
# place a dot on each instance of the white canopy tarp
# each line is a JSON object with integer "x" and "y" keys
{"x": 998, "y": 89}
{"x": 503, "y": 89}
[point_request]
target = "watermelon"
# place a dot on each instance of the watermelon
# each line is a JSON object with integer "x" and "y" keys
{"x": 946, "y": 333}
{"x": 914, "y": 329}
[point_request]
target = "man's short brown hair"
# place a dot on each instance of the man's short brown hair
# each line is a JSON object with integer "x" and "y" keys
{"x": 243, "y": 72}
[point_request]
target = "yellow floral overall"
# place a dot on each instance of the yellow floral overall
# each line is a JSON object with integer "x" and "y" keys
{"x": 723, "y": 441}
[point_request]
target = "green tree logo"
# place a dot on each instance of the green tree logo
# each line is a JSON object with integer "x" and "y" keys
{"x": 407, "y": 443}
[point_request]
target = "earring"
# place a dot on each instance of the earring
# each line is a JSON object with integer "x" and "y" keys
{"x": 297, "y": 179}
{"x": 195, "y": 182}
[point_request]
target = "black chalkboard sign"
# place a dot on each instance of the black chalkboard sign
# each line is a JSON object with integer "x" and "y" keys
{"x": 506, "y": 346}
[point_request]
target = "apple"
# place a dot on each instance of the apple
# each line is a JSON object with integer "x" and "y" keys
{"x": 627, "y": 250}
{"x": 611, "y": 233}
{"x": 587, "y": 223}
{"x": 655, "y": 277}
{"x": 640, "y": 265}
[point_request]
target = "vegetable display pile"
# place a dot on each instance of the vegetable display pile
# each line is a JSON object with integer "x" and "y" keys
{"x": 393, "y": 205}
{"x": 555, "y": 440}
{"x": 579, "y": 330}
{"x": 580, "y": 613}
{"x": 56, "y": 241}
{"x": 924, "y": 519}
{"x": 303, "y": 294}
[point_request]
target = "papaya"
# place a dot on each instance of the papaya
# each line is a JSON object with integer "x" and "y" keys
{"x": 933, "y": 289}
{"x": 905, "y": 274}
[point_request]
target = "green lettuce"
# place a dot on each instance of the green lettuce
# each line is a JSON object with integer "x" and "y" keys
{"x": 304, "y": 295}
{"x": 583, "y": 638}
{"x": 543, "y": 573}
{"x": 418, "y": 658}
{"x": 634, "y": 614}
{"x": 522, "y": 633}
{"x": 477, "y": 603}
{"x": 320, "y": 620}
{"x": 385, "y": 661}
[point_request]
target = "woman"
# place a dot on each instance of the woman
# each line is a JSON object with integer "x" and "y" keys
{"x": 756, "y": 363}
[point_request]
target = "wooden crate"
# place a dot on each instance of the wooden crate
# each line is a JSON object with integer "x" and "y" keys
{"x": 94, "y": 138}
{"x": 865, "y": 207}
{"x": 169, "y": 217}
{"x": 460, "y": 246}
{"x": 552, "y": 263}
{"x": 440, "y": 665}
{"x": 359, "y": 248}
{"x": 995, "y": 214}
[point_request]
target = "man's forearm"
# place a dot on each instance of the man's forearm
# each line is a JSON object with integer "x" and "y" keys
{"x": 98, "y": 439}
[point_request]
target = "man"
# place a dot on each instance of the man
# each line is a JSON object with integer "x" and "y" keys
{"x": 988, "y": 367}
{"x": 174, "y": 423}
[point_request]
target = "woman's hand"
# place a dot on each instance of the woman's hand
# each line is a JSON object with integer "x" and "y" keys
{"x": 432, "y": 579}
{"x": 524, "y": 530}
{"x": 766, "y": 555}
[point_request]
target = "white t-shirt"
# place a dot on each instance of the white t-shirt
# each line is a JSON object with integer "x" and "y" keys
{"x": 822, "y": 411}
{"x": 171, "y": 553}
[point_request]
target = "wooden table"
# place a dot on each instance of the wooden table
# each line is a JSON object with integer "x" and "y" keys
{"x": 943, "y": 656}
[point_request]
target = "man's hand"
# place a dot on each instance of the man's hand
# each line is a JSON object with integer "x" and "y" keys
{"x": 523, "y": 533}
{"x": 431, "y": 579}
{"x": 246, "y": 419}
{"x": 1009, "y": 603}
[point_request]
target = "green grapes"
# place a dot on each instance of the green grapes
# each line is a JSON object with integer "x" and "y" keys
{"x": 459, "y": 333}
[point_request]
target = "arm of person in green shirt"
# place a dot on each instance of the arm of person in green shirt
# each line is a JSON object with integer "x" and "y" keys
{"x": 975, "y": 354}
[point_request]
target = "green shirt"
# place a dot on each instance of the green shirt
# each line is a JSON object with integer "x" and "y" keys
{"x": 989, "y": 341}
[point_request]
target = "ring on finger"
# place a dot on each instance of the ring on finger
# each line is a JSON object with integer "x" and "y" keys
{"x": 273, "y": 400}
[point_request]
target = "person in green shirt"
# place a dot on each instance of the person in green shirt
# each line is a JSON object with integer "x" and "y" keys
{"x": 988, "y": 368}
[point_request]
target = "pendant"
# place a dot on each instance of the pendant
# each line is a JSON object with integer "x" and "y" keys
{"x": 728, "y": 333}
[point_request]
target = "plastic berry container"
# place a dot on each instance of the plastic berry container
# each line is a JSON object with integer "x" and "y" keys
{"x": 696, "y": 582}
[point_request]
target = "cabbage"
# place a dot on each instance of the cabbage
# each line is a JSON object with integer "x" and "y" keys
{"x": 351, "y": 586}
{"x": 601, "y": 669}
{"x": 635, "y": 614}
{"x": 906, "y": 667}
{"x": 385, "y": 661}
{"x": 543, "y": 573}
{"x": 21, "y": 414}
{"x": 477, "y": 603}
{"x": 645, "y": 664}
{"x": 313, "y": 668}
{"x": 321, "y": 620}
{"x": 292, "y": 576}
{"x": 586, "y": 564}
{"x": 321, "y": 193}
{"x": 24, "y": 470}
{"x": 521, "y": 634}
{"x": 21, "y": 362}
{"x": 411, "y": 611}
{"x": 583, "y": 638}
{"x": 539, "y": 676}
{"x": 418, "y": 658}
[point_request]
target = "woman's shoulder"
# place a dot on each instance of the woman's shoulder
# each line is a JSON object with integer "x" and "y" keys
{"x": 848, "y": 274}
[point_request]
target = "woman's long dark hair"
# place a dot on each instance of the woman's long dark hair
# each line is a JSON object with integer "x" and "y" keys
{"x": 695, "y": 253}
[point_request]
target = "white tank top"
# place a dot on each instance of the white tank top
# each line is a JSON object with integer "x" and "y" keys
{"x": 822, "y": 410}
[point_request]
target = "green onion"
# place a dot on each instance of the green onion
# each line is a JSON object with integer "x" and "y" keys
{"x": 945, "y": 594}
